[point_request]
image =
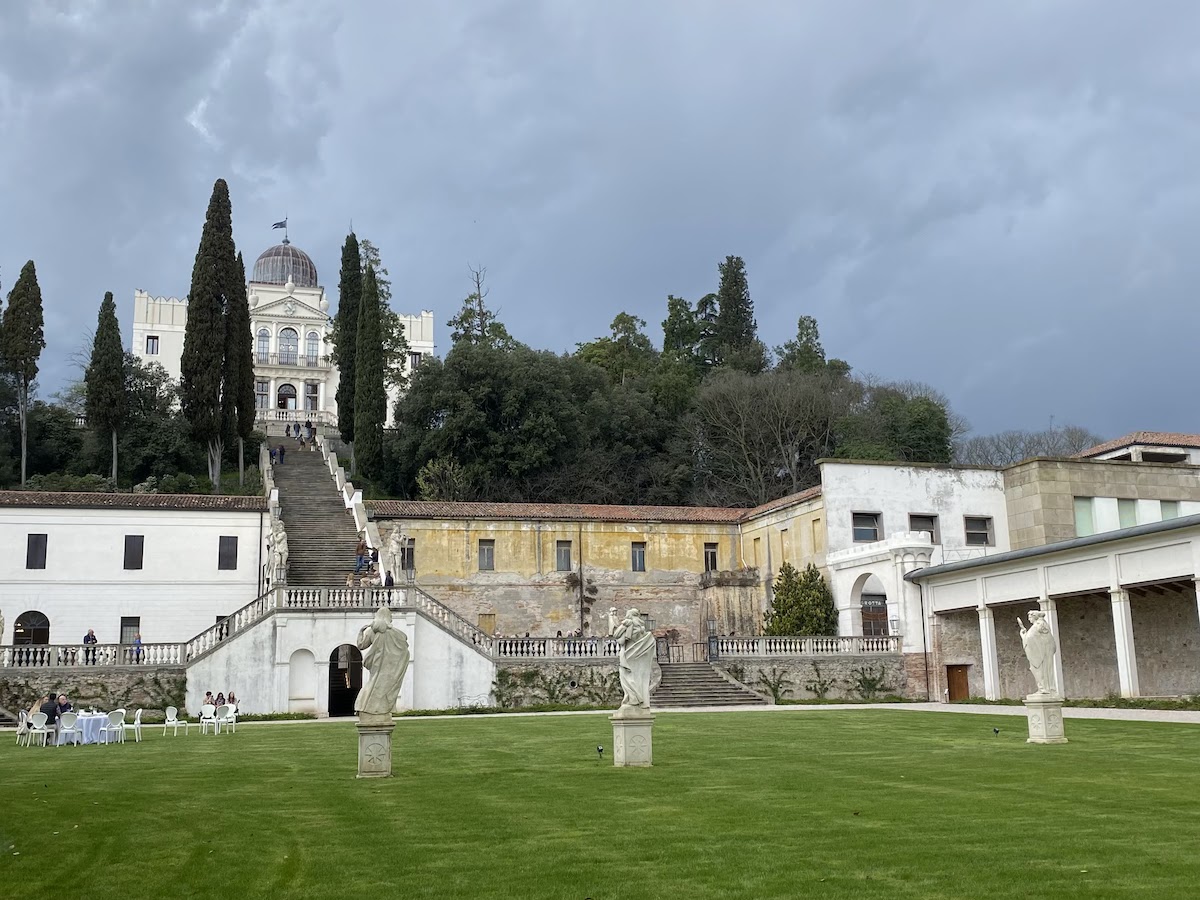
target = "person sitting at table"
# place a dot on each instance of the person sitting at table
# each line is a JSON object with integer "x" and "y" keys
{"x": 220, "y": 701}
{"x": 64, "y": 705}
{"x": 37, "y": 705}
{"x": 50, "y": 708}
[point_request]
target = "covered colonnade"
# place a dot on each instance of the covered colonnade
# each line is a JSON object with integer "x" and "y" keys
{"x": 1122, "y": 605}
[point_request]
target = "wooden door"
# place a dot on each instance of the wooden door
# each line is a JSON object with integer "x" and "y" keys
{"x": 956, "y": 683}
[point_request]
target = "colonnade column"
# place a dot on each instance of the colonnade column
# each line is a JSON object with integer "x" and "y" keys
{"x": 991, "y": 661}
{"x": 1050, "y": 608}
{"x": 1123, "y": 632}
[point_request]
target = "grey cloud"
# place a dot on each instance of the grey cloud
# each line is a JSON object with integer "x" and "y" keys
{"x": 994, "y": 198}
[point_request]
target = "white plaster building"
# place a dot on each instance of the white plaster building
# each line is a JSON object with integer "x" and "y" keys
{"x": 162, "y": 565}
{"x": 294, "y": 378}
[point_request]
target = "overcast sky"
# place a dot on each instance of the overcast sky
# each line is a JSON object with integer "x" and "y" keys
{"x": 1000, "y": 199}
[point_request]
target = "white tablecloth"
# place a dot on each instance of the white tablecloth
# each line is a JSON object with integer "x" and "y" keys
{"x": 89, "y": 728}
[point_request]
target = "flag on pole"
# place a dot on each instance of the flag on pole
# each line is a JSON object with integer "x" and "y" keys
{"x": 282, "y": 224}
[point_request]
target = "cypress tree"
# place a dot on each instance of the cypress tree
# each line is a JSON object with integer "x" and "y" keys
{"x": 21, "y": 344}
{"x": 735, "y": 332}
{"x": 370, "y": 397}
{"x": 203, "y": 362}
{"x": 802, "y": 605}
{"x": 238, "y": 392}
{"x": 345, "y": 331}
{"x": 105, "y": 377}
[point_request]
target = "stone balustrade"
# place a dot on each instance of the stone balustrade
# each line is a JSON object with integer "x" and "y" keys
{"x": 70, "y": 656}
{"x": 555, "y": 648}
{"x": 850, "y": 645}
{"x": 232, "y": 624}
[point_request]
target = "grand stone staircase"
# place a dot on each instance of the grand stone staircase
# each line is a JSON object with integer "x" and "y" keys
{"x": 320, "y": 530}
{"x": 699, "y": 684}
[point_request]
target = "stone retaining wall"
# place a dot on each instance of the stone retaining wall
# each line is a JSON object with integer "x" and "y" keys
{"x": 129, "y": 687}
{"x": 842, "y": 674}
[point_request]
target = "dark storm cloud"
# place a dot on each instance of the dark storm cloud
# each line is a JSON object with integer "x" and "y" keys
{"x": 994, "y": 198}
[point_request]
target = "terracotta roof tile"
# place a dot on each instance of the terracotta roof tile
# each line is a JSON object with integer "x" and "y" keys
{"x": 811, "y": 494}
{"x": 90, "y": 500}
{"x": 591, "y": 512}
{"x": 1150, "y": 438}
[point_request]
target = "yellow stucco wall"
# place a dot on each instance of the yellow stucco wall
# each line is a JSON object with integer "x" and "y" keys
{"x": 794, "y": 534}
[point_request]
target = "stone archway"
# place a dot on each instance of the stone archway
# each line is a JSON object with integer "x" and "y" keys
{"x": 302, "y": 682}
{"x": 345, "y": 679}
{"x": 31, "y": 627}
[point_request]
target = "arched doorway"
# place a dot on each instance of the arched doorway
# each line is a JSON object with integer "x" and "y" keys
{"x": 31, "y": 627}
{"x": 302, "y": 682}
{"x": 345, "y": 679}
{"x": 285, "y": 396}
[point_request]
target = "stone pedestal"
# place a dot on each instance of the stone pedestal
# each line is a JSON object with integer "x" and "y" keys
{"x": 1045, "y": 719}
{"x": 375, "y": 751}
{"x": 632, "y": 738}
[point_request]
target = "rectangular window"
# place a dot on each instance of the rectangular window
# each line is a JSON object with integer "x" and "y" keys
{"x": 152, "y": 345}
{"x": 562, "y": 556}
{"x": 638, "y": 556}
{"x": 35, "y": 551}
{"x": 785, "y": 544}
{"x": 133, "y": 550}
{"x": 874, "y": 615}
{"x": 311, "y": 395}
{"x": 227, "y": 553}
{"x": 1127, "y": 513}
{"x": 866, "y": 527}
{"x": 1170, "y": 509}
{"x": 1084, "y": 521}
{"x": 978, "y": 531}
{"x": 710, "y": 557}
{"x": 487, "y": 556}
{"x": 131, "y": 627}
{"x": 262, "y": 394}
{"x": 818, "y": 536}
{"x": 925, "y": 523}
{"x": 408, "y": 555}
{"x": 414, "y": 360}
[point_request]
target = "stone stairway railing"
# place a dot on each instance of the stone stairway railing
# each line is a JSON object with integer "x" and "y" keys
{"x": 555, "y": 648}
{"x": 55, "y": 656}
{"x": 210, "y": 637}
{"x": 850, "y": 645}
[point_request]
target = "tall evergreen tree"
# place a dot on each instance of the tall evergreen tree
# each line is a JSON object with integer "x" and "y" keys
{"x": 475, "y": 323}
{"x": 105, "y": 377}
{"x": 802, "y": 604}
{"x": 215, "y": 281}
{"x": 238, "y": 391}
{"x": 370, "y": 396}
{"x": 345, "y": 334}
{"x": 391, "y": 329}
{"x": 21, "y": 344}
{"x": 735, "y": 332}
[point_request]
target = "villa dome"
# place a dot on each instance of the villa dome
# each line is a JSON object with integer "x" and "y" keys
{"x": 283, "y": 263}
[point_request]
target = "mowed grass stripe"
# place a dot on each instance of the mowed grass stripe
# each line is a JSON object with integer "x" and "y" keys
{"x": 865, "y": 803}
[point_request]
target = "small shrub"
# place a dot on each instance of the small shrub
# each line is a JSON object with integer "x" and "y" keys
{"x": 868, "y": 683}
{"x": 819, "y": 685}
{"x": 777, "y": 683}
{"x": 737, "y": 671}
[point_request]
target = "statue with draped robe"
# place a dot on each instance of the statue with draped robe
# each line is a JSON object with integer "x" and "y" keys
{"x": 1040, "y": 648}
{"x": 386, "y": 658}
{"x": 635, "y": 659}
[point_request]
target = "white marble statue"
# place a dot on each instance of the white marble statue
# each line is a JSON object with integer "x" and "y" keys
{"x": 636, "y": 659}
{"x": 386, "y": 657}
{"x": 394, "y": 552}
{"x": 279, "y": 549}
{"x": 1040, "y": 648}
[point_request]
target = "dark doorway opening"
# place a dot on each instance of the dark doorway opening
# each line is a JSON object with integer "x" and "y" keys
{"x": 345, "y": 679}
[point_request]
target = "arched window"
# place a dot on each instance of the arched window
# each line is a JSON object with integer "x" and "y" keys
{"x": 312, "y": 346}
{"x": 264, "y": 345}
{"x": 285, "y": 397}
{"x": 31, "y": 628}
{"x": 289, "y": 346}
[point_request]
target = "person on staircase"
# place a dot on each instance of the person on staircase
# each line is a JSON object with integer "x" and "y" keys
{"x": 361, "y": 559}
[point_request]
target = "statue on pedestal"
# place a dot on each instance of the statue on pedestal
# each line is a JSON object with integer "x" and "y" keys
{"x": 279, "y": 550}
{"x": 636, "y": 660}
{"x": 394, "y": 552}
{"x": 1040, "y": 648}
{"x": 386, "y": 657}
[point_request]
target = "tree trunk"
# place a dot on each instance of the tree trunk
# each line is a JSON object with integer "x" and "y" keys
{"x": 23, "y": 403}
{"x": 114, "y": 449}
{"x": 214, "y": 465}
{"x": 241, "y": 462}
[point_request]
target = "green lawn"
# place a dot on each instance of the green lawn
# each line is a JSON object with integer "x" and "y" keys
{"x": 869, "y": 803}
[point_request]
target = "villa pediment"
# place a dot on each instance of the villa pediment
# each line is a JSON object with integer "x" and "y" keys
{"x": 290, "y": 307}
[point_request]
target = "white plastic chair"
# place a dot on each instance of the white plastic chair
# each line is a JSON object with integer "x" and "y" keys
{"x": 37, "y": 726}
{"x": 22, "y": 727}
{"x": 114, "y": 725}
{"x": 227, "y": 716}
{"x": 135, "y": 727}
{"x": 208, "y": 717}
{"x": 67, "y": 729}
{"x": 173, "y": 721}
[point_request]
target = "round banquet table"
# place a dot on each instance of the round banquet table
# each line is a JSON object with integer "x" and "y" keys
{"x": 89, "y": 728}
